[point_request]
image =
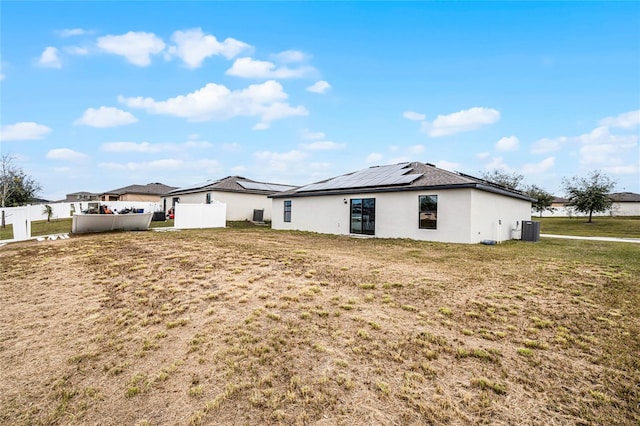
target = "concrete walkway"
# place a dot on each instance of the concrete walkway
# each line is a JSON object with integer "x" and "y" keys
{"x": 611, "y": 239}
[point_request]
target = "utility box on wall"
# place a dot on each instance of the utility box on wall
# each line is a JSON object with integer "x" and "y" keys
{"x": 530, "y": 231}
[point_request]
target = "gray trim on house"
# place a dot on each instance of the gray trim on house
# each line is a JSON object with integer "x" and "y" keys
{"x": 431, "y": 178}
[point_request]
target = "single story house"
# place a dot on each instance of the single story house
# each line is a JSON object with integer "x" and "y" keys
{"x": 405, "y": 200}
{"x": 81, "y": 196}
{"x": 622, "y": 204}
{"x": 246, "y": 199}
{"x": 625, "y": 204}
{"x": 150, "y": 192}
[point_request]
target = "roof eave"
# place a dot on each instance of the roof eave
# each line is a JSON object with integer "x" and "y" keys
{"x": 351, "y": 191}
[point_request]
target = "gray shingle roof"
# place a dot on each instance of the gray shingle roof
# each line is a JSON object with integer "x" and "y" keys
{"x": 231, "y": 184}
{"x": 150, "y": 189}
{"x": 426, "y": 176}
{"x": 628, "y": 197}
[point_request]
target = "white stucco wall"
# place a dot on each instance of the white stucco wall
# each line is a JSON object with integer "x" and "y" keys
{"x": 487, "y": 209}
{"x": 464, "y": 215}
{"x": 240, "y": 206}
{"x": 625, "y": 209}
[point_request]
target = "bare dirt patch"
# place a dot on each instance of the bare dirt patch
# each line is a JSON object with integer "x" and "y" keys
{"x": 265, "y": 327}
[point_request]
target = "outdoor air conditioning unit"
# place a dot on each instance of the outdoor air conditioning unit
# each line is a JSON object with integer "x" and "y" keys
{"x": 258, "y": 215}
{"x": 530, "y": 231}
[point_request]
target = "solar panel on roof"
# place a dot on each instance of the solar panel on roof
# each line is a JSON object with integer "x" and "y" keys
{"x": 374, "y": 176}
{"x": 196, "y": 186}
{"x": 264, "y": 186}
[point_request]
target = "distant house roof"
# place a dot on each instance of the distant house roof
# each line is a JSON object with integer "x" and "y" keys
{"x": 148, "y": 189}
{"x": 560, "y": 200}
{"x": 232, "y": 184}
{"x": 399, "y": 177}
{"x": 83, "y": 193}
{"x": 625, "y": 197}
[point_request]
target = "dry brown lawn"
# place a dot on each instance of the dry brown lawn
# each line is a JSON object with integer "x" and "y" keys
{"x": 254, "y": 326}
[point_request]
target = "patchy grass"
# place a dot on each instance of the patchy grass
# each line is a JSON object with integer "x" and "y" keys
{"x": 254, "y": 326}
{"x": 602, "y": 226}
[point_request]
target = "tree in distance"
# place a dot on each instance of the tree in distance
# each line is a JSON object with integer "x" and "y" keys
{"x": 503, "y": 178}
{"x": 544, "y": 199}
{"x": 589, "y": 194}
{"x": 16, "y": 187}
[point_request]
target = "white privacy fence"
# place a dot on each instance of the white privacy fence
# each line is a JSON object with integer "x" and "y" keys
{"x": 617, "y": 209}
{"x": 65, "y": 210}
{"x": 193, "y": 216}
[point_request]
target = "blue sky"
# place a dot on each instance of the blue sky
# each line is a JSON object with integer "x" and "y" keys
{"x": 99, "y": 95}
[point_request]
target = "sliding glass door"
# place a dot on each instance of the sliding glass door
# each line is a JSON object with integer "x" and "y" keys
{"x": 363, "y": 216}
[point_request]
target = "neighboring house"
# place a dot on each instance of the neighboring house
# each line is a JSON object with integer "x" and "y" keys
{"x": 81, "y": 196}
{"x": 241, "y": 195}
{"x": 625, "y": 204}
{"x": 150, "y": 192}
{"x": 559, "y": 202}
{"x": 406, "y": 200}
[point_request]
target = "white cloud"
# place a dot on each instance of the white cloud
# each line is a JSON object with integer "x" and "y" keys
{"x": 600, "y": 148}
{"x": 483, "y": 155}
{"x": 461, "y": 121}
{"x": 210, "y": 166}
{"x": 447, "y": 165}
{"x": 612, "y": 153}
{"x": 374, "y": 157}
{"x": 70, "y": 32}
{"x": 539, "y": 168}
{"x": 280, "y": 161}
{"x": 323, "y": 146}
{"x": 193, "y": 47}
{"x": 238, "y": 170}
{"x": 66, "y": 154}
{"x": 136, "y": 47}
{"x": 194, "y": 144}
{"x": 289, "y": 56}
{"x": 146, "y": 147}
{"x": 261, "y": 126}
{"x": 602, "y": 135}
{"x": 415, "y": 149}
{"x": 252, "y": 68}
{"x": 320, "y": 86}
{"x": 632, "y": 169}
{"x": 231, "y": 147}
{"x": 548, "y": 145}
{"x": 50, "y": 58}
{"x": 415, "y": 116}
{"x": 26, "y": 130}
{"x": 105, "y": 117}
{"x": 76, "y": 50}
{"x": 510, "y": 143}
{"x": 496, "y": 163}
{"x": 217, "y": 102}
{"x": 309, "y": 135}
{"x": 627, "y": 120}
{"x": 164, "y": 164}
{"x": 131, "y": 147}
